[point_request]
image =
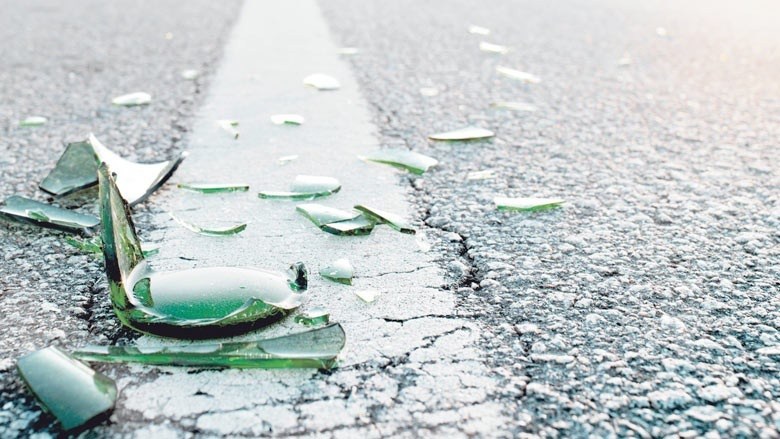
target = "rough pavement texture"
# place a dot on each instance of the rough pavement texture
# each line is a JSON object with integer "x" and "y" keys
{"x": 648, "y": 305}
{"x": 66, "y": 62}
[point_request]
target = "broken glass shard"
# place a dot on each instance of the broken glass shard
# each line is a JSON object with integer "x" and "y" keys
{"x": 214, "y": 188}
{"x": 468, "y": 133}
{"x": 411, "y": 161}
{"x": 478, "y": 30}
{"x": 33, "y": 121}
{"x": 354, "y": 227}
{"x": 316, "y": 348}
{"x": 391, "y": 219}
{"x": 321, "y": 215}
{"x": 287, "y": 119}
{"x": 77, "y": 169}
{"x": 527, "y": 204}
{"x": 487, "y": 174}
{"x": 196, "y": 303}
{"x": 93, "y": 245}
{"x": 229, "y": 126}
{"x": 314, "y": 317}
{"x": 189, "y": 74}
{"x": 67, "y": 388}
{"x": 27, "y": 211}
{"x": 514, "y": 106}
{"x": 367, "y": 296}
{"x": 287, "y": 159}
{"x": 493, "y": 48}
{"x": 340, "y": 271}
{"x": 518, "y": 75}
{"x": 348, "y": 51}
{"x": 306, "y": 187}
{"x": 321, "y": 81}
{"x": 226, "y": 231}
{"x": 624, "y": 61}
{"x": 429, "y": 91}
{"x": 132, "y": 99}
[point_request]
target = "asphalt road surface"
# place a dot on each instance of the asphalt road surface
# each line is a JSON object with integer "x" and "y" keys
{"x": 646, "y": 306}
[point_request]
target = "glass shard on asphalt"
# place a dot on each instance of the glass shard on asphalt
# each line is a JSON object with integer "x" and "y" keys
{"x": 313, "y": 317}
{"x": 321, "y": 81}
{"x": 411, "y": 161}
{"x": 493, "y": 48}
{"x": 214, "y": 188}
{"x": 321, "y": 215}
{"x": 354, "y": 227}
{"x": 93, "y": 245}
{"x": 132, "y": 99}
{"x": 225, "y": 231}
{"x": 287, "y": 159}
{"x": 26, "y": 211}
{"x": 487, "y": 174}
{"x": 229, "y": 126}
{"x": 196, "y": 303}
{"x": 190, "y": 74}
{"x": 67, "y": 388}
{"x": 467, "y": 133}
{"x": 76, "y": 169}
{"x": 316, "y": 348}
{"x": 287, "y": 119}
{"x": 340, "y": 271}
{"x": 514, "y": 106}
{"x": 391, "y": 219}
{"x": 367, "y": 296}
{"x": 33, "y": 121}
{"x": 306, "y": 187}
{"x": 527, "y": 204}
{"x": 429, "y": 91}
{"x": 518, "y": 75}
{"x": 478, "y": 30}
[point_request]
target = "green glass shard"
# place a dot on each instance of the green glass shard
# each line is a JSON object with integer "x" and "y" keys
{"x": 518, "y": 75}
{"x": 527, "y": 204}
{"x": 27, "y": 211}
{"x": 227, "y": 231}
{"x": 354, "y": 227}
{"x": 321, "y": 215}
{"x": 316, "y": 348}
{"x": 190, "y": 74}
{"x": 321, "y": 81}
{"x": 513, "y": 106}
{"x": 411, "y": 161}
{"x": 214, "y": 188}
{"x": 468, "y": 133}
{"x": 493, "y": 48}
{"x": 229, "y": 126}
{"x": 288, "y": 119}
{"x": 93, "y": 245}
{"x": 314, "y": 317}
{"x": 132, "y": 99}
{"x": 197, "y": 303}
{"x": 391, "y": 219}
{"x": 67, "y": 388}
{"x": 76, "y": 169}
{"x": 33, "y": 121}
{"x": 305, "y": 187}
{"x": 478, "y": 30}
{"x": 340, "y": 271}
{"x": 367, "y": 296}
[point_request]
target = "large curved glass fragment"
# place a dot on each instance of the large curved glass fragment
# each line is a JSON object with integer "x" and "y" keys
{"x": 411, "y": 161}
{"x": 27, "y": 211}
{"x": 391, "y": 219}
{"x": 77, "y": 169}
{"x": 317, "y": 348}
{"x": 196, "y": 303}
{"x": 321, "y": 215}
{"x": 67, "y": 388}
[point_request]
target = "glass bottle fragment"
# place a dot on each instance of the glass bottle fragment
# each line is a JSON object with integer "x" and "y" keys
{"x": 530, "y": 204}
{"x": 67, "y": 388}
{"x": 321, "y": 81}
{"x": 493, "y": 48}
{"x": 229, "y": 126}
{"x": 132, "y": 99}
{"x": 354, "y": 227}
{"x": 33, "y": 121}
{"x": 26, "y": 211}
{"x": 306, "y": 187}
{"x": 340, "y": 271}
{"x": 367, "y": 296}
{"x": 313, "y": 317}
{"x": 315, "y": 348}
{"x": 518, "y": 75}
{"x": 214, "y": 188}
{"x": 225, "y": 231}
{"x": 467, "y": 133}
{"x": 321, "y": 215}
{"x": 391, "y": 219}
{"x": 411, "y": 161}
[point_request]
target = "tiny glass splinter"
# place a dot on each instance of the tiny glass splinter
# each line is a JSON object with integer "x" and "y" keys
{"x": 76, "y": 395}
{"x": 316, "y": 348}
{"x": 132, "y": 99}
{"x": 527, "y": 204}
{"x": 340, "y": 271}
{"x": 214, "y": 188}
{"x": 196, "y": 303}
